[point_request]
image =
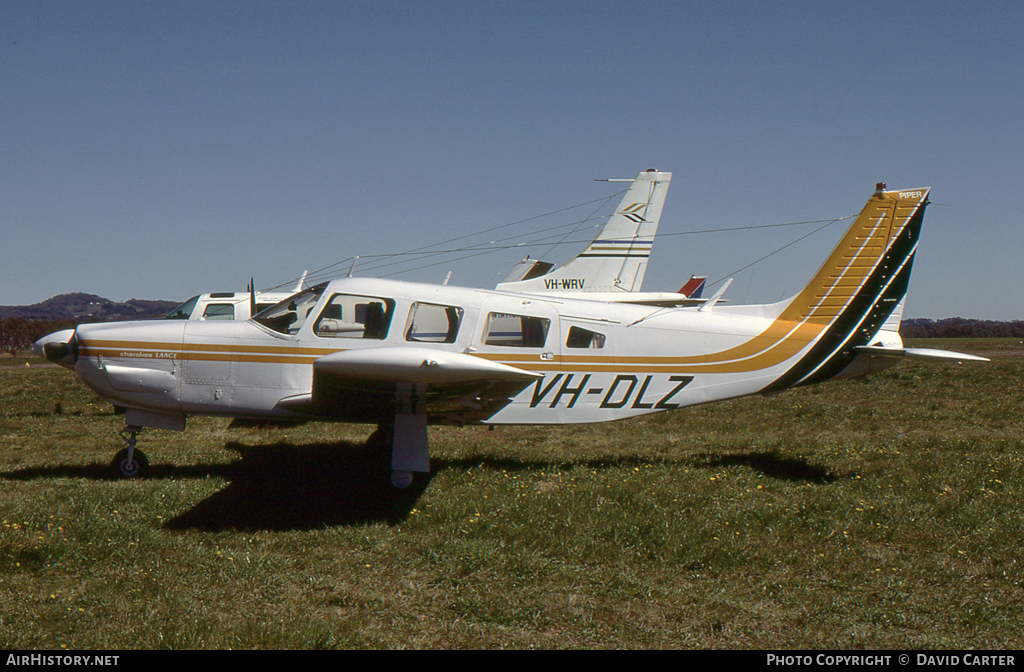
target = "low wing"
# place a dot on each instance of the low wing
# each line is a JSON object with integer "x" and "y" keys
{"x": 374, "y": 384}
{"x": 416, "y": 365}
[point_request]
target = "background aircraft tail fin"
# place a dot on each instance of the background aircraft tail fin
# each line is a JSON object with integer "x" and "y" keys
{"x": 694, "y": 287}
{"x": 617, "y": 259}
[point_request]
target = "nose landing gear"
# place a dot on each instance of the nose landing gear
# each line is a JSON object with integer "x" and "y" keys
{"x": 128, "y": 462}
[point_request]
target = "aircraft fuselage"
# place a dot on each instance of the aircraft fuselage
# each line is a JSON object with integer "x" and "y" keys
{"x": 587, "y": 354}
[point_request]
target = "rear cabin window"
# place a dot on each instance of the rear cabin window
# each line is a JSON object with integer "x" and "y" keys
{"x": 351, "y": 316}
{"x": 516, "y": 331}
{"x": 584, "y": 338}
{"x": 433, "y": 323}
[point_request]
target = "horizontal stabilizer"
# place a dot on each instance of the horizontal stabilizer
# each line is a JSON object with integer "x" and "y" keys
{"x": 927, "y": 354}
{"x": 528, "y": 269}
{"x": 662, "y": 299}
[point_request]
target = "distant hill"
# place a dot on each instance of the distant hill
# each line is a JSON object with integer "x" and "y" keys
{"x": 80, "y": 307}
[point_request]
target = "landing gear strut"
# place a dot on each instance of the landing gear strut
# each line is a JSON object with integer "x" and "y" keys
{"x": 409, "y": 445}
{"x": 404, "y": 441}
{"x": 130, "y": 462}
{"x": 403, "y": 436}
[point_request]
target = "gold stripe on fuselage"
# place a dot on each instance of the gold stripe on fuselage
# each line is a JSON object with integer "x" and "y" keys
{"x": 207, "y": 352}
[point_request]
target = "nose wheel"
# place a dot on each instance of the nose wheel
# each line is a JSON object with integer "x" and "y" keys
{"x": 129, "y": 462}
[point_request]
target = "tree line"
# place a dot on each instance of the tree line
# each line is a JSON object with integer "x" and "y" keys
{"x": 18, "y": 334}
{"x": 959, "y": 327}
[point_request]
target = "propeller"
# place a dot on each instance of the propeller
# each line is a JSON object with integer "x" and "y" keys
{"x": 252, "y": 297}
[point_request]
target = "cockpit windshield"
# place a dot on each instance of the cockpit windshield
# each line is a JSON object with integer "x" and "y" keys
{"x": 288, "y": 316}
{"x": 183, "y": 311}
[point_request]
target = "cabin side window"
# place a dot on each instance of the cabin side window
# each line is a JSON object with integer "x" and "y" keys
{"x": 516, "y": 331}
{"x": 219, "y": 311}
{"x": 433, "y": 323}
{"x": 351, "y": 316}
{"x": 584, "y": 338}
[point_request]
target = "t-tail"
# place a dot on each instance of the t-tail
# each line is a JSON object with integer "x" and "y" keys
{"x": 617, "y": 259}
{"x": 852, "y": 307}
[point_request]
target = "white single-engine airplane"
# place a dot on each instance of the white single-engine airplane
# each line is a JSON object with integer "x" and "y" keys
{"x": 405, "y": 355}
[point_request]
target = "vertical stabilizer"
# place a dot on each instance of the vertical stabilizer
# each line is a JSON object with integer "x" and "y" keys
{"x": 617, "y": 259}
{"x": 860, "y": 288}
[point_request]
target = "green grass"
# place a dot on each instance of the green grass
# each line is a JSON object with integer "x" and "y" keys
{"x": 879, "y": 514}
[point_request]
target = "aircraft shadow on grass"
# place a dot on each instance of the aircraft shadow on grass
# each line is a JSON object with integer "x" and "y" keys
{"x": 770, "y": 463}
{"x": 287, "y": 487}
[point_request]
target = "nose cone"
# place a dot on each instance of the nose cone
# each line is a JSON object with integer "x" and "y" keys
{"x": 59, "y": 347}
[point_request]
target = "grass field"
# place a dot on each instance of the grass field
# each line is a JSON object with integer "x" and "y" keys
{"x": 877, "y": 514}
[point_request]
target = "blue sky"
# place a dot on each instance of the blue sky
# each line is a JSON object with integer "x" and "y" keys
{"x": 157, "y": 150}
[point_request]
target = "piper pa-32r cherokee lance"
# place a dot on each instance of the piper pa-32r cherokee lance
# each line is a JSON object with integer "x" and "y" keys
{"x": 406, "y": 355}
